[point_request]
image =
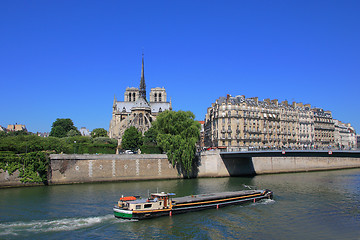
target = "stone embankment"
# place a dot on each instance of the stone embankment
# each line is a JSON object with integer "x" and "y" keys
{"x": 74, "y": 168}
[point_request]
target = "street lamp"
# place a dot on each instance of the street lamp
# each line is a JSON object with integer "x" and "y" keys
{"x": 74, "y": 146}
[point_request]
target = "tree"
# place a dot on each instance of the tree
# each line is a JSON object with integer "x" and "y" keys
{"x": 73, "y": 133}
{"x": 99, "y": 132}
{"x": 150, "y": 145}
{"x": 150, "y": 137}
{"x": 61, "y": 127}
{"x": 132, "y": 139}
{"x": 178, "y": 133}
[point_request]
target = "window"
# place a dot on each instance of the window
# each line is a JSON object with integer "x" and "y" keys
{"x": 138, "y": 206}
{"x": 155, "y": 97}
{"x": 159, "y": 97}
{"x": 147, "y": 205}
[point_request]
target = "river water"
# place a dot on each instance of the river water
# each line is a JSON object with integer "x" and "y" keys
{"x": 314, "y": 205}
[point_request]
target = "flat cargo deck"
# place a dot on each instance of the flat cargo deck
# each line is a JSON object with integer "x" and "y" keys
{"x": 214, "y": 196}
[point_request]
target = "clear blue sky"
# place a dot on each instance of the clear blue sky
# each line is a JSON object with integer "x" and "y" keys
{"x": 67, "y": 59}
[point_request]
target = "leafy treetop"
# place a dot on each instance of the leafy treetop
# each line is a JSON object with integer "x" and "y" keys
{"x": 132, "y": 139}
{"x": 99, "y": 132}
{"x": 178, "y": 133}
{"x": 61, "y": 127}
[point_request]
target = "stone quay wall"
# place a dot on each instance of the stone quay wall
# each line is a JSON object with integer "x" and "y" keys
{"x": 252, "y": 163}
{"x": 69, "y": 168}
{"x": 76, "y": 168}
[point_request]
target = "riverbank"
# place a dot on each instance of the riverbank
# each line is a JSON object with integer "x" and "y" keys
{"x": 85, "y": 168}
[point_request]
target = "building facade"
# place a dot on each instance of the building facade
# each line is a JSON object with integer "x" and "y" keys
{"x": 136, "y": 110}
{"x": 344, "y": 136}
{"x": 238, "y": 123}
{"x": 84, "y": 131}
{"x": 16, "y": 127}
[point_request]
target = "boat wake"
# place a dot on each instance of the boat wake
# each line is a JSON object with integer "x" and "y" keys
{"x": 38, "y": 226}
{"x": 265, "y": 201}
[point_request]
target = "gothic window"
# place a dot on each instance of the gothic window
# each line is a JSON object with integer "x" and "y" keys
{"x": 155, "y": 97}
{"x": 124, "y": 109}
{"x": 159, "y": 97}
{"x": 140, "y": 119}
{"x": 160, "y": 110}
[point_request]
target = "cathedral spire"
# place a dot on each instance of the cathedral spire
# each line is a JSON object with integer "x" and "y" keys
{"x": 142, "y": 91}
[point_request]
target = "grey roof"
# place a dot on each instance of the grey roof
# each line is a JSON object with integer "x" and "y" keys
{"x": 141, "y": 103}
{"x": 156, "y": 106}
{"x": 125, "y": 106}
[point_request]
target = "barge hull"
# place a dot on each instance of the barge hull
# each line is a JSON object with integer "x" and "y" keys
{"x": 197, "y": 203}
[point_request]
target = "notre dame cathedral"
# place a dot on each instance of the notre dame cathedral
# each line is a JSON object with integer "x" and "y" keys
{"x": 136, "y": 110}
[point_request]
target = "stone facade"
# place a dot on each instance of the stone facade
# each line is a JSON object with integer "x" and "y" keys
{"x": 136, "y": 110}
{"x": 344, "y": 135}
{"x": 238, "y": 123}
{"x": 16, "y": 127}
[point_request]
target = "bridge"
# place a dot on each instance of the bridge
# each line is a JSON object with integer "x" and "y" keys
{"x": 222, "y": 164}
{"x": 291, "y": 153}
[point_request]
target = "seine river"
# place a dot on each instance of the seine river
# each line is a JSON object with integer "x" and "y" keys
{"x": 314, "y": 205}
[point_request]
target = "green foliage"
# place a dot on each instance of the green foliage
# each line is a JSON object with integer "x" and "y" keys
{"x": 150, "y": 144}
{"x": 61, "y": 127}
{"x": 150, "y": 137}
{"x": 73, "y": 133}
{"x": 99, "y": 132}
{"x": 28, "y": 153}
{"x": 177, "y": 135}
{"x": 32, "y": 166}
{"x": 132, "y": 139}
{"x": 147, "y": 149}
{"x": 33, "y": 143}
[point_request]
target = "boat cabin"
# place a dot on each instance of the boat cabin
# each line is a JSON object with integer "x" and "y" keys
{"x": 156, "y": 201}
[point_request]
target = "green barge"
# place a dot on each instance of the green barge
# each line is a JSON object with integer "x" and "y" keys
{"x": 163, "y": 204}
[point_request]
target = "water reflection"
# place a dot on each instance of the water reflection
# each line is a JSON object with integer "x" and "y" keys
{"x": 312, "y": 205}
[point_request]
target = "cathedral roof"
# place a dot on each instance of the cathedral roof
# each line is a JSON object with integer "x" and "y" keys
{"x": 141, "y": 103}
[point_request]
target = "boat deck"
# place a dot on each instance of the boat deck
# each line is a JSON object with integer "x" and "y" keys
{"x": 214, "y": 196}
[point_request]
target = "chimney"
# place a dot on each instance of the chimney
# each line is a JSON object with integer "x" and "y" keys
{"x": 256, "y": 99}
{"x": 285, "y": 102}
{"x": 267, "y": 100}
{"x": 275, "y": 101}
